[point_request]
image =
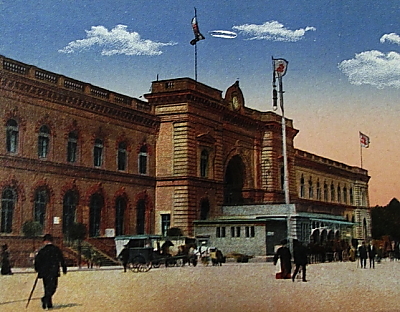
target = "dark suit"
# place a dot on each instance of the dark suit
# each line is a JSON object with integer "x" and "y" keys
{"x": 300, "y": 256}
{"x": 284, "y": 254}
{"x": 362, "y": 250}
{"x": 371, "y": 255}
{"x": 47, "y": 264}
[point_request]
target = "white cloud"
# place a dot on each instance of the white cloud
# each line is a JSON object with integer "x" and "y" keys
{"x": 392, "y": 38}
{"x": 373, "y": 68}
{"x": 115, "y": 41}
{"x": 272, "y": 30}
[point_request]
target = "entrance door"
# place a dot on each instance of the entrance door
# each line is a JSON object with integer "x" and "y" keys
{"x": 234, "y": 181}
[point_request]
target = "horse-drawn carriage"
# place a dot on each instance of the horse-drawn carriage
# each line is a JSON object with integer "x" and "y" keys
{"x": 140, "y": 253}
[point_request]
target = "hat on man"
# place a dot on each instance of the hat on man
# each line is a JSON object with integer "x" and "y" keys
{"x": 284, "y": 242}
{"x": 48, "y": 238}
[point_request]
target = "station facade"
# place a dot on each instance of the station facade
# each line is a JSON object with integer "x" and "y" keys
{"x": 189, "y": 157}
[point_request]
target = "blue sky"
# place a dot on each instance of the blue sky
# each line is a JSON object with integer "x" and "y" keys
{"x": 343, "y": 74}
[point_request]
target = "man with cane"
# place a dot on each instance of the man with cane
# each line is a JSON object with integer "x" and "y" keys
{"x": 47, "y": 264}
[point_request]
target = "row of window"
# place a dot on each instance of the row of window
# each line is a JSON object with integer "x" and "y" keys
{"x": 43, "y": 144}
{"x": 235, "y": 231}
{"x": 325, "y": 192}
{"x": 70, "y": 202}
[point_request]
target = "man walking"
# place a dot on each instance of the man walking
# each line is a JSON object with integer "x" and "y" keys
{"x": 300, "y": 254}
{"x": 371, "y": 255}
{"x": 47, "y": 264}
{"x": 362, "y": 251}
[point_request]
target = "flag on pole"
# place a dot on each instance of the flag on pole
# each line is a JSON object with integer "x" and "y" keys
{"x": 197, "y": 35}
{"x": 364, "y": 140}
{"x": 280, "y": 67}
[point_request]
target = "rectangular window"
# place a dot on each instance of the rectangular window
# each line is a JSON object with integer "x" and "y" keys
{"x": 232, "y": 231}
{"x": 238, "y": 231}
{"x": 252, "y": 231}
{"x": 165, "y": 223}
{"x": 218, "y": 232}
{"x": 223, "y": 232}
{"x": 247, "y": 231}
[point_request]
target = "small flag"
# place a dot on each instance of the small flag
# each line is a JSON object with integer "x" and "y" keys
{"x": 280, "y": 67}
{"x": 364, "y": 140}
{"x": 197, "y": 35}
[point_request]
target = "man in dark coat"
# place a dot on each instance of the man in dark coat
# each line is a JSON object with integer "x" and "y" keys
{"x": 362, "y": 252}
{"x": 371, "y": 255}
{"x": 47, "y": 264}
{"x": 124, "y": 256}
{"x": 283, "y": 253}
{"x": 300, "y": 256}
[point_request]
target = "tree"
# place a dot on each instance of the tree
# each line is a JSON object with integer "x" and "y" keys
{"x": 385, "y": 221}
{"x": 32, "y": 229}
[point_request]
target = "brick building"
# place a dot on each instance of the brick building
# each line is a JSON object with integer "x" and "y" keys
{"x": 188, "y": 157}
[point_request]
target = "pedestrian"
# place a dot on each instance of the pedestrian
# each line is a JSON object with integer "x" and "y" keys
{"x": 284, "y": 256}
{"x": 371, "y": 255}
{"x": 362, "y": 251}
{"x": 47, "y": 264}
{"x": 300, "y": 256}
{"x": 5, "y": 261}
{"x": 124, "y": 256}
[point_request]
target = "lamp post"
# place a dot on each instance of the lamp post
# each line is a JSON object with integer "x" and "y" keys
{"x": 279, "y": 70}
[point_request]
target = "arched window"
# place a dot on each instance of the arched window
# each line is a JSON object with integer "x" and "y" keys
{"x": 204, "y": 164}
{"x": 351, "y": 194}
{"x": 345, "y": 194}
{"x": 72, "y": 148}
{"x": 8, "y": 200}
{"x": 339, "y": 194}
{"x": 332, "y": 192}
{"x": 318, "y": 190}
{"x": 310, "y": 188}
{"x": 302, "y": 187}
{"x": 143, "y": 160}
{"x": 41, "y": 199}
{"x": 204, "y": 209}
{"x": 98, "y": 153}
{"x": 12, "y": 136}
{"x": 325, "y": 191}
{"x": 43, "y": 141}
{"x": 120, "y": 207}
{"x": 122, "y": 155}
{"x": 70, "y": 202}
{"x": 96, "y": 205}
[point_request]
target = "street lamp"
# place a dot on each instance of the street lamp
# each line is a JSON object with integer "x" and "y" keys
{"x": 279, "y": 70}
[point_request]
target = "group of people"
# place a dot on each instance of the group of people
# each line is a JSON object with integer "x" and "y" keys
{"x": 367, "y": 252}
{"x": 284, "y": 256}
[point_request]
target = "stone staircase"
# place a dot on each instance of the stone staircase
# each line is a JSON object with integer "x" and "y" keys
{"x": 90, "y": 256}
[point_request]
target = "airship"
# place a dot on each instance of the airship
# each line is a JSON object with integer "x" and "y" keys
{"x": 223, "y": 34}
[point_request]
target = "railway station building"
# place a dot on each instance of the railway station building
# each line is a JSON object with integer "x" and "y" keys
{"x": 188, "y": 156}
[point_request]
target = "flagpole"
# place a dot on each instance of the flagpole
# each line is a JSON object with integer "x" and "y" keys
{"x": 195, "y": 61}
{"x": 195, "y": 51}
{"x": 361, "y": 156}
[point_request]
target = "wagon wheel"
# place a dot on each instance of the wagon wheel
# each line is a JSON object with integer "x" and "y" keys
{"x": 144, "y": 267}
{"x": 136, "y": 263}
{"x": 134, "y": 267}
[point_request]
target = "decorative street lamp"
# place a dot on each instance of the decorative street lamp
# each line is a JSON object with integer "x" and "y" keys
{"x": 279, "y": 70}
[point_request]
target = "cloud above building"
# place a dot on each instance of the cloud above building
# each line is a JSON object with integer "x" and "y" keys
{"x": 374, "y": 67}
{"x": 115, "y": 41}
{"x": 273, "y": 31}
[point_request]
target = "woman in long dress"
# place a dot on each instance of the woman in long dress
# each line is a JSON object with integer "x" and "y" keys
{"x": 5, "y": 261}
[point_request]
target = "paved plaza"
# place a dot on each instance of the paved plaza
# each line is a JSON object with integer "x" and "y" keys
{"x": 232, "y": 287}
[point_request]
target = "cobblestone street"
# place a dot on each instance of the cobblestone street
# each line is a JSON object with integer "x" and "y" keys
{"x": 231, "y": 287}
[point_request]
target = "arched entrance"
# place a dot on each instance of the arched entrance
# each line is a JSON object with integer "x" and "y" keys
{"x": 70, "y": 203}
{"x": 96, "y": 205}
{"x": 234, "y": 181}
{"x": 140, "y": 216}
